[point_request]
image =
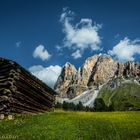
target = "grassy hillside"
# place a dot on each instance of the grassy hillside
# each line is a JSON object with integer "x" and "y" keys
{"x": 62, "y": 125}
{"x": 123, "y": 97}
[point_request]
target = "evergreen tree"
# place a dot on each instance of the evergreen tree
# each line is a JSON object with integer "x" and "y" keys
{"x": 99, "y": 105}
{"x": 65, "y": 105}
{"x": 80, "y": 106}
{"x": 58, "y": 105}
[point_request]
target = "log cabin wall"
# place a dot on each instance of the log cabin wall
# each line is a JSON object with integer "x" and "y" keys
{"x": 21, "y": 92}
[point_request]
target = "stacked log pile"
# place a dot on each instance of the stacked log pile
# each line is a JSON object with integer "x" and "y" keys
{"x": 21, "y": 92}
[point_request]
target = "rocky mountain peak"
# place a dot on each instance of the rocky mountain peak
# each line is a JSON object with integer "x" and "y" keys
{"x": 95, "y": 71}
{"x": 104, "y": 69}
{"x": 87, "y": 69}
{"x": 68, "y": 71}
{"x": 69, "y": 65}
{"x": 67, "y": 76}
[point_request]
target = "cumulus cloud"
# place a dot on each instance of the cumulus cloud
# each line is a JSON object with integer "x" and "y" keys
{"x": 126, "y": 49}
{"x": 82, "y": 35}
{"x": 18, "y": 44}
{"x": 41, "y": 52}
{"x": 77, "y": 54}
{"x": 48, "y": 75}
{"x": 59, "y": 48}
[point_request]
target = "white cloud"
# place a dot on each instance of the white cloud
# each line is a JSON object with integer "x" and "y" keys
{"x": 77, "y": 54}
{"x": 126, "y": 49}
{"x": 116, "y": 36}
{"x": 82, "y": 35}
{"x": 48, "y": 75}
{"x": 18, "y": 44}
{"x": 59, "y": 48}
{"x": 41, "y": 52}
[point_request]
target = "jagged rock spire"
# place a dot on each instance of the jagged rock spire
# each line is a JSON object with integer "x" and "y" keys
{"x": 95, "y": 71}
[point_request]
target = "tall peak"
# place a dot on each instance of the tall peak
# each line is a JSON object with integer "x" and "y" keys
{"x": 96, "y": 70}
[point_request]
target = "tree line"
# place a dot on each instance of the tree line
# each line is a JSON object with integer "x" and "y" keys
{"x": 98, "y": 105}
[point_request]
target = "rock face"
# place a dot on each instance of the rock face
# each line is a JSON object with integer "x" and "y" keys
{"x": 104, "y": 69}
{"x": 87, "y": 69}
{"x": 95, "y": 71}
{"x": 66, "y": 79}
{"x": 21, "y": 92}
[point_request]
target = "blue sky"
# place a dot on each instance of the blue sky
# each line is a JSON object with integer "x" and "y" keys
{"x": 42, "y": 35}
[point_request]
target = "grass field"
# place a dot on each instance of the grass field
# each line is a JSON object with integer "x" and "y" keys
{"x": 61, "y": 125}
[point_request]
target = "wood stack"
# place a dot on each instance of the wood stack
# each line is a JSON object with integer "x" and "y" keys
{"x": 21, "y": 92}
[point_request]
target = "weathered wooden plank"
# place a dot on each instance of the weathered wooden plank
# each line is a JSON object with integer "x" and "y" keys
{"x": 21, "y": 92}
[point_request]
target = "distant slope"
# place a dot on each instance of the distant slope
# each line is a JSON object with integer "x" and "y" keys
{"x": 87, "y": 98}
{"x": 119, "y": 94}
{"x": 95, "y": 71}
{"x": 126, "y": 96}
{"x": 121, "y": 83}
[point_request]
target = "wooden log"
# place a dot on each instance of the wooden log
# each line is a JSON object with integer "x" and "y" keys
{"x": 21, "y": 92}
{"x": 29, "y": 100}
{"x": 32, "y": 94}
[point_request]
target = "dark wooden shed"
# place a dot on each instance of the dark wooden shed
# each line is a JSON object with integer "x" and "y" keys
{"x": 21, "y": 92}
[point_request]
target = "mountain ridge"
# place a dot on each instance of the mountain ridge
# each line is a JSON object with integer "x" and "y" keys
{"x": 95, "y": 71}
{"x": 86, "y": 83}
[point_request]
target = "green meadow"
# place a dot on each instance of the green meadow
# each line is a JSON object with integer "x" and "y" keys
{"x": 62, "y": 125}
{"x": 123, "y": 97}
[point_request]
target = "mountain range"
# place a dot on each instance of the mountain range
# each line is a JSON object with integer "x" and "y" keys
{"x": 117, "y": 83}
